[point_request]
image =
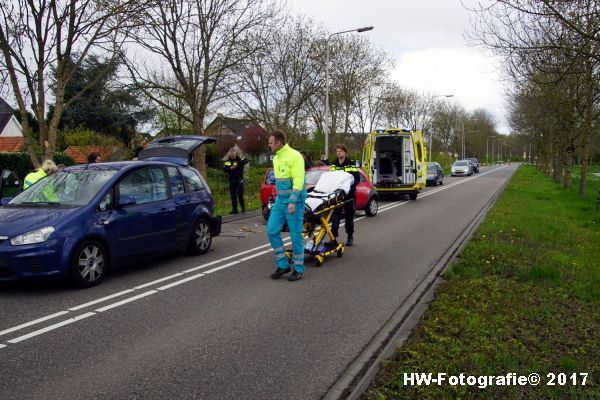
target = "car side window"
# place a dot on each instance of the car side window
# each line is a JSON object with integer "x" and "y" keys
{"x": 362, "y": 178}
{"x": 177, "y": 186}
{"x": 192, "y": 180}
{"x": 145, "y": 185}
{"x": 270, "y": 179}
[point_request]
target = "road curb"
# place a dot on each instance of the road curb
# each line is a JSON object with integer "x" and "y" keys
{"x": 353, "y": 382}
{"x": 237, "y": 217}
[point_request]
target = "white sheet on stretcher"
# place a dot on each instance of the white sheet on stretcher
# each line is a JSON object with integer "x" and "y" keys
{"x": 328, "y": 183}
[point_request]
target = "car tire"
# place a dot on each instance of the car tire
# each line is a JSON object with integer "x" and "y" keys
{"x": 266, "y": 209}
{"x": 201, "y": 238}
{"x": 89, "y": 264}
{"x": 372, "y": 207}
{"x": 413, "y": 196}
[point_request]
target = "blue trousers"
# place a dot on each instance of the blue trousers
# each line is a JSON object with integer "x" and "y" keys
{"x": 279, "y": 216}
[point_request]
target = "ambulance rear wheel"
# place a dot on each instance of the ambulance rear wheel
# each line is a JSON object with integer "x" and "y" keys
{"x": 413, "y": 196}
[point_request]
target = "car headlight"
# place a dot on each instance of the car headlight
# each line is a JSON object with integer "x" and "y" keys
{"x": 37, "y": 236}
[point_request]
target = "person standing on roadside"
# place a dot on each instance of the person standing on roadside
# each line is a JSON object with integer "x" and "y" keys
{"x": 234, "y": 168}
{"x": 324, "y": 159}
{"x": 288, "y": 167}
{"x": 345, "y": 164}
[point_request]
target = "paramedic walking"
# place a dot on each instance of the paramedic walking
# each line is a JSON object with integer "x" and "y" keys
{"x": 344, "y": 164}
{"x": 288, "y": 166}
{"x": 234, "y": 167}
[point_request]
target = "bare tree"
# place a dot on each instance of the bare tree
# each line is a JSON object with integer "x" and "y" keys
{"x": 194, "y": 46}
{"x": 278, "y": 80}
{"x": 43, "y": 43}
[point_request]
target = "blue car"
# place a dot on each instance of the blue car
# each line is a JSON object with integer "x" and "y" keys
{"x": 81, "y": 220}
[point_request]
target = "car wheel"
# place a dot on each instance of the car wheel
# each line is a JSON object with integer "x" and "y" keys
{"x": 266, "y": 209}
{"x": 201, "y": 238}
{"x": 89, "y": 264}
{"x": 372, "y": 207}
{"x": 413, "y": 196}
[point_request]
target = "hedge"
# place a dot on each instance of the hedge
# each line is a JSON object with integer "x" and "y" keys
{"x": 21, "y": 164}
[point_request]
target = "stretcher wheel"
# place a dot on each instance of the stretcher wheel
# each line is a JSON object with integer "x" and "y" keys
{"x": 340, "y": 251}
{"x": 319, "y": 260}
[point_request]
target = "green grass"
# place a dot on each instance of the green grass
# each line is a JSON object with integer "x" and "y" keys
{"x": 523, "y": 297}
{"x": 219, "y": 186}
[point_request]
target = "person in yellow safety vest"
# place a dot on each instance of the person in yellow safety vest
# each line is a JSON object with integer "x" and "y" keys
{"x": 345, "y": 164}
{"x": 288, "y": 167}
{"x": 47, "y": 168}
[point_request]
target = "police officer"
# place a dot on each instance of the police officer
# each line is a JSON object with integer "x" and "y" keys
{"x": 234, "y": 167}
{"x": 288, "y": 166}
{"x": 344, "y": 164}
{"x": 47, "y": 168}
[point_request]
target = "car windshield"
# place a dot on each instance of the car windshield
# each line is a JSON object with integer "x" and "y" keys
{"x": 461, "y": 163}
{"x": 312, "y": 177}
{"x": 74, "y": 187}
{"x": 473, "y": 160}
{"x": 430, "y": 165}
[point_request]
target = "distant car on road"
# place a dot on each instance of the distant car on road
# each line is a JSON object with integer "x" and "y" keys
{"x": 475, "y": 163}
{"x": 367, "y": 198}
{"x": 462, "y": 168}
{"x": 435, "y": 174}
{"x": 81, "y": 220}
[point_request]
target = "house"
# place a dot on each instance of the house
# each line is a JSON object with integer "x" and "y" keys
{"x": 11, "y": 135}
{"x": 80, "y": 154}
{"x": 243, "y": 133}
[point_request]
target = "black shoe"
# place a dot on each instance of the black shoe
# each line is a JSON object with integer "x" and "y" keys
{"x": 233, "y": 212}
{"x": 349, "y": 242}
{"x": 279, "y": 272}
{"x": 295, "y": 276}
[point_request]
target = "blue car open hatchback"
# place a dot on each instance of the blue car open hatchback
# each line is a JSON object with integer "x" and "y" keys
{"x": 83, "y": 219}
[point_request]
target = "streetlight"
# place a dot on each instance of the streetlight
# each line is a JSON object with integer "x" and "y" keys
{"x": 359, "y": 30}
{"x": 431, "y": 135}
{"x": 486, "y": 148}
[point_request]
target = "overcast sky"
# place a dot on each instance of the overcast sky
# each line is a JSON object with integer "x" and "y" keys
{"x": 425, "y": 38}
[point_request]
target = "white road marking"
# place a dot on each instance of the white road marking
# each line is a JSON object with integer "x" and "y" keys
{"x": 100, "y": 300}
{"x": 2, "y": 346}
{"x": 37, "y": 321}
{"x": 170, "y": 285}
{"x": 166, "y": 278}
{"x": 51, "y": 327}
{"x": 129, "y": 300}
{"x": 145, "y": 294}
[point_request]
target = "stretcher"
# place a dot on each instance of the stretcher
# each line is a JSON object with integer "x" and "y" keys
{"x": 329, "y": 194}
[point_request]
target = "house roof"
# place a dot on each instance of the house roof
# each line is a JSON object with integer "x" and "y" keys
{"x": 11, "y": 144}
{"x": 236, "y": 125}
{"x": 80, "y": 153}
{"x": 6, "y": 113}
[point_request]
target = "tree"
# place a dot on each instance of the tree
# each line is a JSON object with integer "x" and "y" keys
{"x": 38, "y": 37}
{"x": 197, "y": 44}
{"x": 107, "y": 106}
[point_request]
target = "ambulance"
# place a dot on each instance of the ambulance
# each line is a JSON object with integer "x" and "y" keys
{"x": 396, "y": 160}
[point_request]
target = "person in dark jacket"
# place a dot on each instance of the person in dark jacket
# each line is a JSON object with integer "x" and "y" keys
{"x": 234, "y": 167}
{"x": 345, "y": 164}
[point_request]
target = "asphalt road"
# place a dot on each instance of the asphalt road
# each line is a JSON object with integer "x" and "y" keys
{"x": 216, "y": 326}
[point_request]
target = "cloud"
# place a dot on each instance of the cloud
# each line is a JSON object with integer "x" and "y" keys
{"x": 470, "y": 77}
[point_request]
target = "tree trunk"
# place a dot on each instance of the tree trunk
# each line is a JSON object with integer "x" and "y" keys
{"x": 200, "y": 154}
{"x": 567, "y": 178}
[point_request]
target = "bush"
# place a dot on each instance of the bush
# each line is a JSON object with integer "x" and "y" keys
{"x": 20, "y": 163}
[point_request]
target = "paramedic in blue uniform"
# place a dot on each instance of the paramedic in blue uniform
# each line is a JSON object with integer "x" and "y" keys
{"x": 288, "y": 166}
{"x": 234, "y": 168}
{"x": 342, "y": 163}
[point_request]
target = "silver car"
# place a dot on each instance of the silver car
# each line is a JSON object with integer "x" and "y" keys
{"x": 462, "y": 168}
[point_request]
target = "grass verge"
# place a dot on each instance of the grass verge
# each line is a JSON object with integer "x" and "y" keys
{"x": 219, "y": 186}
{"x": 523, "y": 297}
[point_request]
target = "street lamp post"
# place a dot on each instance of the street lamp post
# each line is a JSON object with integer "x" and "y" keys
{"x": 487, "y": 161}
{"x": 431, "y": 134}
{"x": 359, "y": 30}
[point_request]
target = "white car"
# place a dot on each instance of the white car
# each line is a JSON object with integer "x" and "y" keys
{"x": 462, "y": 167}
